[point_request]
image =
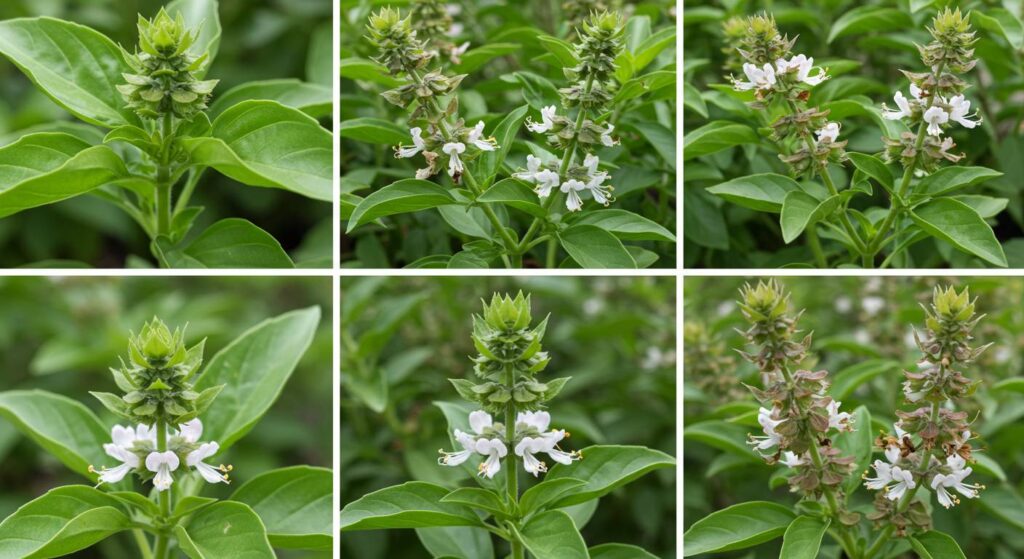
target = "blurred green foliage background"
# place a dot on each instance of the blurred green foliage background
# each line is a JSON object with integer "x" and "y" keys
{"x": 403, "y": 338}
{"x": 62, "y": 334}
{"x": 863, "y": 336}
{"x": 262, "y": 39}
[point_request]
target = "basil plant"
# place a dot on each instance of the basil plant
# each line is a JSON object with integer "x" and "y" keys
{"x": 177, "y": 421}
{"x": 505, "y": 432}
{"x": 155, "y": 125}
{"x": 865, "y": 487}
{"x": 577, "y": 172}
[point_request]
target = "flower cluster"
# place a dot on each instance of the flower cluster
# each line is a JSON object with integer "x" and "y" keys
{"x": 931, "y": 445}
{"x": 136, "y": 449}
{"x": 433, "y": 22}
{"x": 797, "y": 417}
{"x": 443, "y": 145}
{"x": 164, "y": 79}
{"x": 936, "y": 98}
{"x": 775, "y": 75}
{"x": 532, "y": 437}
{"x": 157, "y": 378}
{"x": 708, "y": 366}
{"x": 600, "y": 42}
{"x": 509, "y": 358}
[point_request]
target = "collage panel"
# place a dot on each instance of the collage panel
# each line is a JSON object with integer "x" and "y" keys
{"x": 158, "y": 417}
{"x": 508, "y": 134}
{"x": 552, "y": 401}
{"x": 185, "y": 134}
{"x": 853, "y": 417}
{"x": 853, "y": 134}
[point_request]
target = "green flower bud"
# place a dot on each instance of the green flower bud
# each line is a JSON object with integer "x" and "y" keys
{"x": 163, "y": 81}
{"x": 395, "y": 39}
{"x": 156, "y": 380}
{"x": 600, "y": 42}
{"x": 766, "y": 308}
{"x": 952, "y": 44}
{"x": 761, "y": 42}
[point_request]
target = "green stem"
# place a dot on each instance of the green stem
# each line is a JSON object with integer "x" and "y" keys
{"x": 511, "y": 474}
{"x": 552, "y": 255}
{"x": 815, "y": 245}
{"x": 163, "y": 538}
{"x": 143, "y": 544}
{"x": 163, "y": 177}
{"x": 883, "y": 538}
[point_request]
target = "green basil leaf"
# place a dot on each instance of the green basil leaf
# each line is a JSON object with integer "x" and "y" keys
{"x": 64, "y": 520}
{"x": 44, "y": 168}
{"x": 264, "y": 143}
{"x": 960, "y": 226}
{"x": 310, "y": 98}
{"x": 692, "y": 100}
{"x": 514, "y": 194}
{"x": 477, "y": 498}
{"x": 619, "y": 551}
{"x": 254, "y": 369}
{"x": 294, "y": 504}
{"x": 201, "y": 16}
{"x": 189, "y": 505}
{"x": 849, "y": 379}
{"x": 374, "y": 131}
{"x": 553, "y": 535}
{"x": 75, "y": 65}
{"x": 477, "y": 57}
{"x": 563, "y": 51}
{"x": 737, "y": 527}
{"x": 1003, "y": 502}
{"x": 626, "y": 225}
{"x": 869, "y": 19}
{"x": 415, "y": 504}
{"x": 716, "y": 136}
{"x": 367, "y": 70}
{"x": 505, "y": 134}
{"x": 457, "y": 542}
{"x": 64, "y": 427}
{"x": 606, "y": 468}
{"x": 320, "y": 58}
{"x": 652, "y": 46}
{"x": 1009, "y": 385}
{"x": 539, "y": 496}
{"x": 721, "y": 435}
{"x": 225, "y": 529}
{"x": 948, "y": 179}
{"x": 801, "y": 210}
{"x": 936, "y": 545}
{"x": 803, "y": 537}
{"x": 1001, "y": 22}
{"x": 404, "y": 196}
{"x": 874, "y": 168}
{"x": 593, "y": 247}
{"x": 985, "y": 206}
{"x": 765, "y": 192}
{"x": 660, "y": 138}
{"x": 228, "y": 243}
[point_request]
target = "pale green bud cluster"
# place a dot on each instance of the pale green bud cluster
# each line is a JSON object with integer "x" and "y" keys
{"x": 600, "y": 43}
{"x": 399, "y": 49}
{"x": 510, "y": 356}
{"x": 164, "y": 80}
{"x": 577, "y": 11}
{"x": 953, "y": 42}
{"x": 759, "y": 41}
{"x": 157, "y": 378}
{"x": 772, "y": 327}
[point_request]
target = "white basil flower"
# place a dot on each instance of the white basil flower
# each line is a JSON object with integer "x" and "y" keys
{"x": 162, "y": 464}
{"x": 837, "y": 419}
{"x": 547, "y": 115}
{"x": 758, "y": 78}
{"x": 495, "y": 450}
{"x": 902, "y": 104}
{"x": 958, "y": 109}
{"x": 935, "y": 117}
{"x": 479, "y": 421}
{"x": 803, "y": 66}
{"x": 418, "y": 144}
{"x": 191, "y": 431}
{"x": 829, "y": 132}
{"x": 533, "y": 166}
{"x": 606, "y": 136}
{"x": 954, "y": 480}
{"x": 872, "y": 305}
{"x": 898, "y": 428}
{"x": 453, "y": 149}
{"x": 904, "y": 480}
{"x": 527, "y": 448}
{"x": 209, "y": 473}
{"x": 792, "y": 460}
{"x": 546, "y": 443}
{"x": 456, "y": 53}
{"x": 468, "y": 444}
{"x": 766, "y": 418}
{"x": 883, "y": 476}
{"x": 476, "y": 137}
{"x": 121, "y": 450}
{"x": 572, "y": 188}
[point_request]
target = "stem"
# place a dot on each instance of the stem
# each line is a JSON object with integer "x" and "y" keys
{"x": 511, "y": 474}
{"x": 143, "y": 544}
{"x": 163, "y": 538}
{"x": 815, "y": 245}
{"x": 549, "y": 261}
{"x": 163, "y": 178}
{"x": 883, "y": 538}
